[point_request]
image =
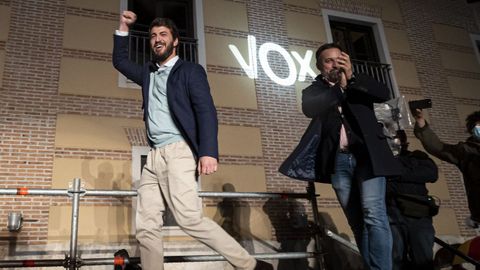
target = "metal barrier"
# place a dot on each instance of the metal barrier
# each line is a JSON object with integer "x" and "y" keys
{"x": 72, "y": 261}
{"x": 457, "y": 252}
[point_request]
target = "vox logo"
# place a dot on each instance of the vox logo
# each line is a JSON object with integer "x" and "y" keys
{"x": 250, "y": 66}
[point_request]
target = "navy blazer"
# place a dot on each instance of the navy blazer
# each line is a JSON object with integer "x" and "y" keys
{"x": 188, "y": 96}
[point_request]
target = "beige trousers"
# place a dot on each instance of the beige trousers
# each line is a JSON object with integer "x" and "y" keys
{"x": 168, "y": 179}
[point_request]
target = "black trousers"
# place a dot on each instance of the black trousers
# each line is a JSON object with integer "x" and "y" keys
{"x": 413, "y": 240}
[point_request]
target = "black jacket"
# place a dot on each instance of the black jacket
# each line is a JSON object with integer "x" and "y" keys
{"x": 417, "y": 170}
{"x": 314, "y": 158}
{"x": 464, "y": 155}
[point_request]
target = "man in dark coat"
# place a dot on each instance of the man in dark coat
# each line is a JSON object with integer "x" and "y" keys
{"x": 345, "y": 145}
{"x": 464, "y": 155}
{"x": 410, "y": 215}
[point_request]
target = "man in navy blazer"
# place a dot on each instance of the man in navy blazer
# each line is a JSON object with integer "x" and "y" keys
{"x": 182, "y": 127}
{"x": 191, "y": 104}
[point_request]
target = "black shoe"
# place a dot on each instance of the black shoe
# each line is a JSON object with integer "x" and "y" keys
{"x": 261, "y": 265}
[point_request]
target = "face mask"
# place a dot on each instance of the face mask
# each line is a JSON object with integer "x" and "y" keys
{"x": 476, "y": 131}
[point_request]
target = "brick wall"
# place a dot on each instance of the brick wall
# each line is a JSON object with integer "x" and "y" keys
{"x": 433, "y": 78}
{"x": 29, "y": 105}
{"x": 30, "y": 101}
{"x": 30, "y": 78}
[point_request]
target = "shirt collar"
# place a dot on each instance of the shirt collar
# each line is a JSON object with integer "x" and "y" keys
{"x": 170, "y": 63}
{"x": 325, "y": 80}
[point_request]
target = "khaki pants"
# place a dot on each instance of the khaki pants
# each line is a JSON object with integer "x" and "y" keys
{"x": 168, "y": 178}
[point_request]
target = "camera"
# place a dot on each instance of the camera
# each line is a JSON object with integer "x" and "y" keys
{"x": 419, "y": 104}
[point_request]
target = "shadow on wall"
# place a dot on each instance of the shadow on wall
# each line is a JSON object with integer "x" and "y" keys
{"x": 233, "y": 215}
{"x": 105, "y": 176}
{"x": 338, "y": 256}
{"x": 9, "y": 244}
{"x": 292, "y": 229}
{"x": 111, "y": 224}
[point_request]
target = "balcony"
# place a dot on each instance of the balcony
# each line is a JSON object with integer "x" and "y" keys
{"x": 139, "y": 45}
{"x": 140, "y": 53}
{"x": 379, "y": 71}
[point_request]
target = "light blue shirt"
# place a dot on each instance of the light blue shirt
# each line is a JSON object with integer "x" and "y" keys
{"x": 161, "y": 130}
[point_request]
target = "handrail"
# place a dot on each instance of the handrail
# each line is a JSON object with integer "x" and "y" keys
{"x": 130, "y": 193}
{"x": 457, "y": 252}
{"x": 73, "y": 261}
{"x": 379, "y": 71}
{"x": 136, "y": 260}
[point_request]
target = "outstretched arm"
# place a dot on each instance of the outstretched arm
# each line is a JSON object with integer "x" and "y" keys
{"x": 120, "y": 56}
{"x": 433, "y": 144}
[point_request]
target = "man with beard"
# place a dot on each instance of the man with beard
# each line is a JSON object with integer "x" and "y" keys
{"x": 344, "y": 145}
{"x": 182, "y": 127}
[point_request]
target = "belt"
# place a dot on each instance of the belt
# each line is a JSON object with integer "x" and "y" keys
{"x": 344, "y": 151}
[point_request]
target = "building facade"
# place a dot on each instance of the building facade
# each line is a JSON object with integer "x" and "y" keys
{"x": 66, "y": 113}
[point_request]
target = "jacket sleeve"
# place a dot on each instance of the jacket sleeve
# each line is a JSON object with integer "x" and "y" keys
{"x": 121, "y": 62}
{"x": 205, "y": 112}
{"x": 417, "y": 167}
{"x": 430, "y": 141}
{"x": 318, "y": 99}
{"x": 369, "y": 88}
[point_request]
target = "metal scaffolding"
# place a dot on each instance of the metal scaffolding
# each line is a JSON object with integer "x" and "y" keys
{"x": 73, "y": 261}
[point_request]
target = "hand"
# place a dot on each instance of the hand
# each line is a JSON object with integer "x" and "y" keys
{"x": 127, "y": 18}
{"x": 345, "y": 65}
{"x": 207, "y": 165}
{"x": 343, "y": 80}
{"x": 418, "y": 114}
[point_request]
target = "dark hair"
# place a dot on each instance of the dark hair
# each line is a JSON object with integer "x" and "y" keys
{"x": 324, "y": 47}
{"x": 166, "y": 22}
{"x": 472, "y": 120}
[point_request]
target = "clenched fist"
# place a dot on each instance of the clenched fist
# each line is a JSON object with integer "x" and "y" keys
{"x": 127, "y": 18}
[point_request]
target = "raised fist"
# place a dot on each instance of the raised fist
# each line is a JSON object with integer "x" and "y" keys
{"x": 128, "y": 17}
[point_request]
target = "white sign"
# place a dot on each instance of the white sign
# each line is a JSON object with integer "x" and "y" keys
{"x": 251, "y": 68}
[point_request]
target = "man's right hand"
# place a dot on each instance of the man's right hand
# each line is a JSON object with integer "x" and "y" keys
{"x": 419, "y": 117}
{"x": 127, "y": 18}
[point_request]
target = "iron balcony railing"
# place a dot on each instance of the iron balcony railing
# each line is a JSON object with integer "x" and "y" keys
{"x": 140, "y": 52}
{"x": 379, "y": 71}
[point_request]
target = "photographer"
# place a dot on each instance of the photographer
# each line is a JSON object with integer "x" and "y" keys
{"x": 465, "y": 155}
{"x": 410, "y": 209}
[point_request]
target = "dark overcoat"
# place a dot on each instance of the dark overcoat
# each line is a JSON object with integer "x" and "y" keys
{"x": 314, "y": 157}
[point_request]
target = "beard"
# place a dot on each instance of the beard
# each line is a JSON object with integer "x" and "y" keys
{"x": 334, "y": 75}
{"x": 159, "y": 58}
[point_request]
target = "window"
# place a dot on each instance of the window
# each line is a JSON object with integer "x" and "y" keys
{"x": 180, "y": 11}
{"x": 476, "y": 45}
{"x": 356, "y": 39}
{"x": 187, "y": 15}
{"x": 364, "y": 39}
